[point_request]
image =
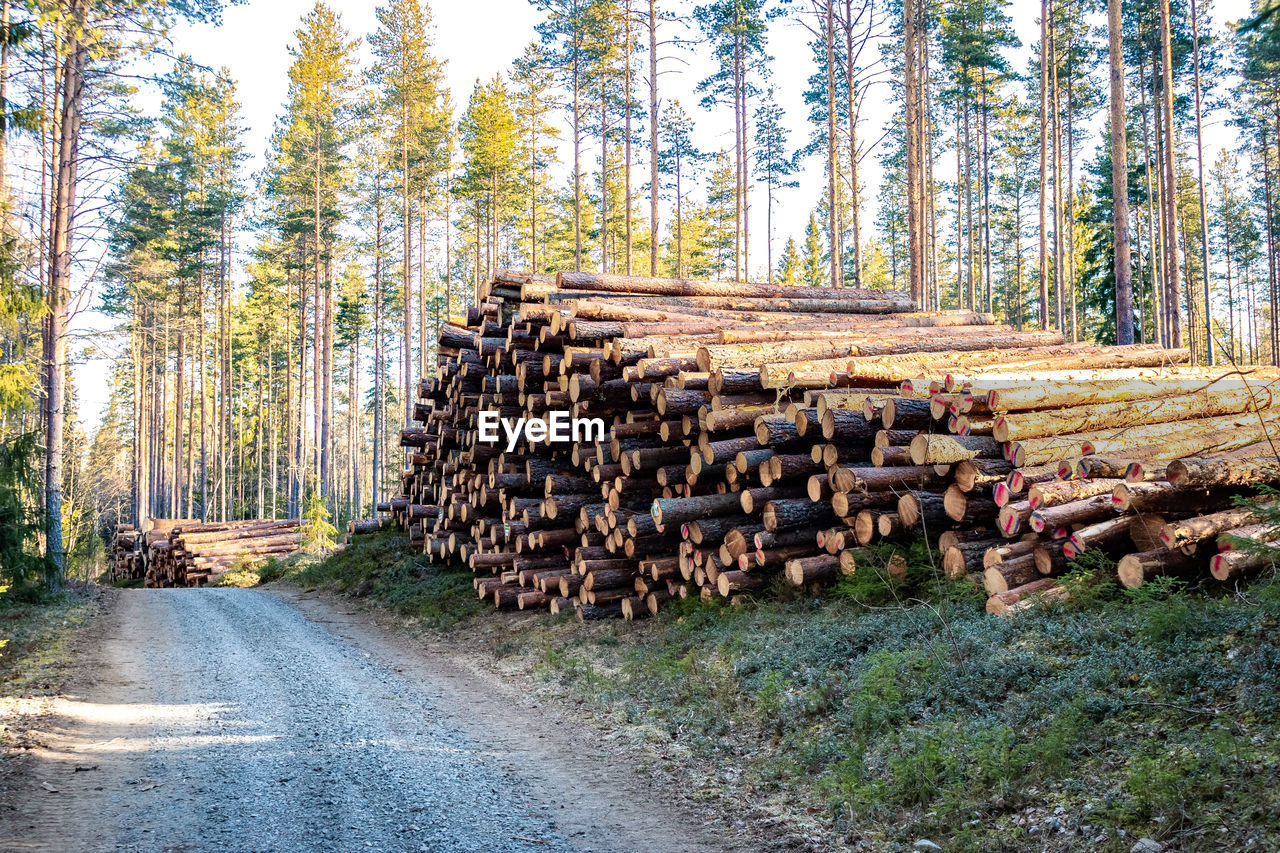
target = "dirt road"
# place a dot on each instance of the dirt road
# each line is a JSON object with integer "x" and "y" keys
{"x": 247, "y": 720}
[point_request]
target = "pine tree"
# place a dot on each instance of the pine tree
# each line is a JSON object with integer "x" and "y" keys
{"x": 677, "y": 161}
{"x": 533, "y": 78}
{"x": 813, "y": 266}
{"x": 566, "y": 32}
{"x": 314, "y": 161}
{"x": 789, "y": 264}
{"x": 721, "y": 207}
{"x": 774, "y": 164}
{"x": 491, "y": 162}
{"x": 415, "y": 99}
{"x": 736, "y": 31}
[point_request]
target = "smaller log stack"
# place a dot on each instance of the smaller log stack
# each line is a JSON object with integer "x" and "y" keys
{"x": 127, "y": 562}
{"x": 187, "y": 552}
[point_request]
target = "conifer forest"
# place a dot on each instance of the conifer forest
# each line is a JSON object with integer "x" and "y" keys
{"x": 258, "y": 326}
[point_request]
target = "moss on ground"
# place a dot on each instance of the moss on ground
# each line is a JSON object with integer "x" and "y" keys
{"x": 890, "y": 710}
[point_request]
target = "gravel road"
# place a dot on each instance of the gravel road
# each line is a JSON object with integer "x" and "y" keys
{"x": 243, "y": 720}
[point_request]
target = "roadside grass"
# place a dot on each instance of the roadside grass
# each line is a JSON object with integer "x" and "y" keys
{"x": 889, "y": 710}
{"x": 382, "y": 568}
{"x": 35, "y": 639}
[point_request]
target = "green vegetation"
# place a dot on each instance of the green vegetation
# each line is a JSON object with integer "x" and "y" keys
{"x": 34, "y": 638}
{"x": 384, "y": 570}
{"x": 889, "y": 711}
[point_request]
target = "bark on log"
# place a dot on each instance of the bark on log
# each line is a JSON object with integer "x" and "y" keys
{"x": 1176, "y": 534}
{"x": 1228, "y": 470}
{"x": 1055, "y": 520}
{"x": 1009, "y": 574}
{"x": 798, "y": 512}
{"x": 822, "y": 568}
{"x": 1104, "y": 535}
{"x": 1044, "y": 589}
{"x": 1134, "y": 570}
{"x": 1123, "y": 413}
{"x": 935, "y": 449}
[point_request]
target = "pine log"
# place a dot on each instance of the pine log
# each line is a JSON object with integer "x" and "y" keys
{"x": 674, "y": 511}
{"x": 846, "y": 504}
{"x": 967, "y": 509}
{"x": 1124, "y": 413}
{"x": 1263, "y": 468}
{"x": 963, "y": 558}
{"x": 1055, "y": 520}
{"x": 1134, "y": 570}
{"x": 818, "y": 569}
{"x": 1005, "y": 575}
{"x": 916, "y": 508}
{"x": 1176, "y": 534}
{"x": 1161, "y": 496}
{"x": 1179, "y": 438}
{"x": 971, "y": 474}
{"x": 935, "y": 449}
{"x": 797, "y": 512}
{"x": 1239, "y": 562}
{"x": 1043, "y": 589}
{"x": 1103, "y": 535}
{"x": 1008, "y": 551}
{"x": 1060, "y": 492}
{"x": 1087, "y": 388}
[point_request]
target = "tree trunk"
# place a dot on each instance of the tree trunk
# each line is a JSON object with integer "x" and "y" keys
{"x": 1171, "y": 185}
{"x": 851, "y": 106}
{"x": 1271, "y": 240}
{"x": 378, "y": 345}
{"x": 915, "y": 260}
{"x": 828, "y": 35}
{"x": 1044, "y": 164}
{"x": 4, "y": 88}
{"x": 1157, "y": 287}
{"x": 1204, "y": 220}
{"x": 60, "y": 250}
{"x": 604, "y": 172}
{"x": 970, "y": 302}
{"x": 577, "y": 152}
{"x": 406, "y": 360}
{"x": 626, "y": 142}
{"x": 986, "y": 194}
{"x": 175, "y": 496}
{"x": 653, "y": 139}
{"x": 1055, "y": 123}
{"x": 1119, "y": 180}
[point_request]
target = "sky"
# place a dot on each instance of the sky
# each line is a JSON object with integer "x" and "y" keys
{"x": 479, "y": 38}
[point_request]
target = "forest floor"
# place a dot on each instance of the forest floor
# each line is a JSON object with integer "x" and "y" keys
{"x": 38, "y": 643}
{"x": 278, "y": 720}
{"x": 894, "y": 715}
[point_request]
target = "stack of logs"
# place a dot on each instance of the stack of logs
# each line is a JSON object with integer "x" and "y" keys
{"x": 187, "y": 552}
{"x": 126, "y": 556}
{"x": 758, "y": 432}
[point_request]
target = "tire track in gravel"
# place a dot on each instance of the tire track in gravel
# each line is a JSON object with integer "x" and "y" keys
{"x": 241, "y": 720}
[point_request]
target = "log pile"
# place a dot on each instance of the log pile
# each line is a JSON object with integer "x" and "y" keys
{"x": 759, "y": 434}
{"x": 188, "y": 552}
{"x": 127, "y": 561}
